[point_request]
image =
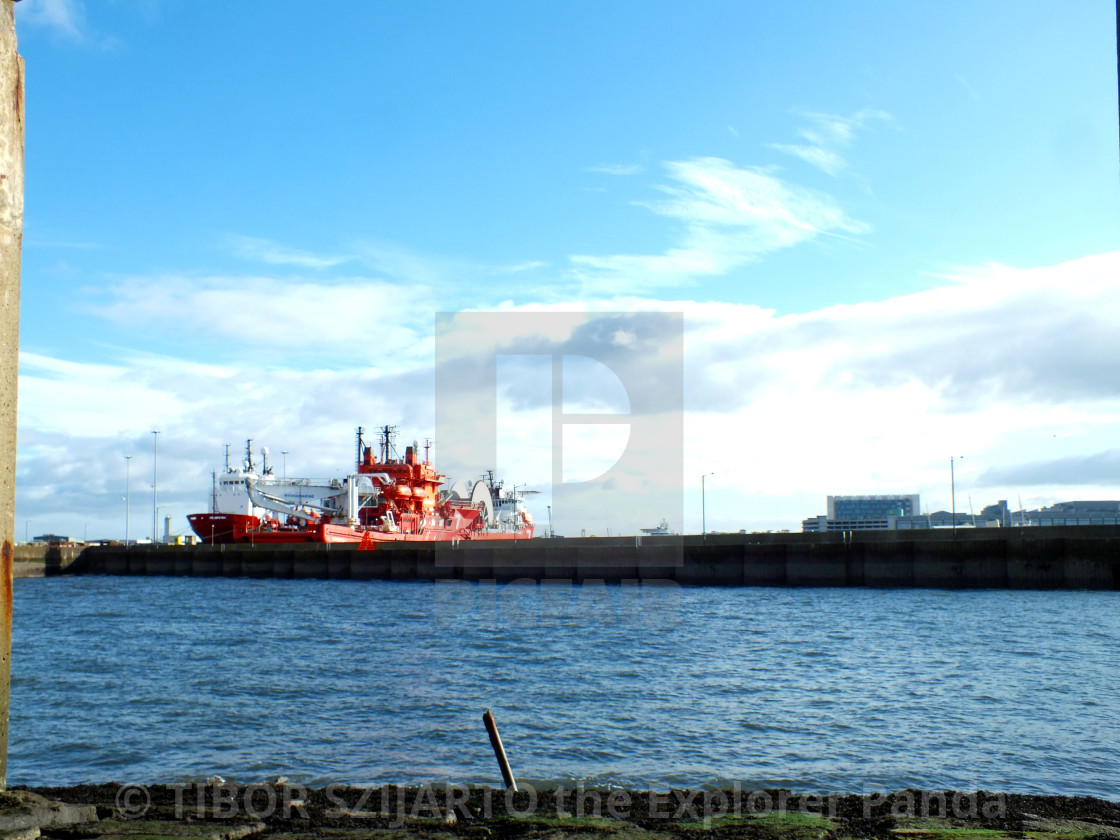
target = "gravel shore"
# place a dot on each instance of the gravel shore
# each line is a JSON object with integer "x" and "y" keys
{"x": 229, "y": 812}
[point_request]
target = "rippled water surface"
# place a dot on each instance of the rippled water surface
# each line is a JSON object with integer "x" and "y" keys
{"x": 164, "y": 679}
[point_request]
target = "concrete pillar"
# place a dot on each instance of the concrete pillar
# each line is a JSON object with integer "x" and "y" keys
{"x": 11, "y": 241}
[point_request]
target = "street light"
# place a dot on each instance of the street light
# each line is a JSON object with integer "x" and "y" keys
{"x": 953, "y": 488}
{"x": 155, "y": 484}
{"x": 704, "y": 508}
{"x": 127, "y": 471}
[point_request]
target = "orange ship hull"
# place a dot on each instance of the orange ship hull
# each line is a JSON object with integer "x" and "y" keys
{"x": 238, "y": 529}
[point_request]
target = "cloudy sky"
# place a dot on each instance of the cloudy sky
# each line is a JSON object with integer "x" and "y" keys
{"x": 892, "y": 230}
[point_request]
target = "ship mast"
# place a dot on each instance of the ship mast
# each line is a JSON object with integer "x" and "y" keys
{"x": 387, "y": 442}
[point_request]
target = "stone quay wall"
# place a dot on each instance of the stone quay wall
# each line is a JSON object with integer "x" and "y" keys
{"x": 1082, "y": 557}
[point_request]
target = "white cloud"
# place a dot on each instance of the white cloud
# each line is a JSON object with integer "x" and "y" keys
{"x": 280, "y": 322}
{"x": 452, "y": 278}
{"x": 732, "y": 216}
{"x": 824, "y": 159}
{"x": 1013, "y": 368}
{"x": 104, "y": 396}
{"x": 1080, "y": 470}
{"x": 529, "y": 265}
{"x": 1007, "y": 366}
{"x": 64, "y": 17}
{"x": 267, "y": 251}
{"x": 77, "y": 421}
{"x": 618, "y": 168}
{"x": 828, "y": 135}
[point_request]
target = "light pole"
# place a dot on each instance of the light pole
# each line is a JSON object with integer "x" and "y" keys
{"x": 127, "y": 472}
{"x": 284, "y": 452}
{"x": 155, "y": 484}
{"x": 551, "y": 533}
{"x": 704, "y": 508}
{"x": 953, "y": 488}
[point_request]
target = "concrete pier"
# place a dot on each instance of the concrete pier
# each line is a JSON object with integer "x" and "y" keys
{"x": 11, "y": 249}
{"x": 42, "y": 560}
{"x": 1084, "y": 557}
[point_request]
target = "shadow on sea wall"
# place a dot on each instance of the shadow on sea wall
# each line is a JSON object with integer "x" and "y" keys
{"x": 1081, "y": 557}
{"x": 43, "y": 560}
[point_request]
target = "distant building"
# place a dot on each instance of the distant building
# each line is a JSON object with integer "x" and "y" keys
{"x": 50, "y": 538}
{"x": 871, "y": 507}
{"x": 942, "y": 519}
{"x": 878, "y": 513}
{"x": 863, "y": 513}
{"x": 1075, "y": 513}
{"x": 999, "y": 512}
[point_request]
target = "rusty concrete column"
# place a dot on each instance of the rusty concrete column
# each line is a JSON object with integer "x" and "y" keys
{"x": 11, "y": 242}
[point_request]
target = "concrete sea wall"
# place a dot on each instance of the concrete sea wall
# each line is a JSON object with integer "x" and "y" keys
{"x": 42, "y": 560}
{"x": 1083, "y": 557}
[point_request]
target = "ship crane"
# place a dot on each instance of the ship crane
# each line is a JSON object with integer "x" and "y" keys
{"x": 343, "y": 500}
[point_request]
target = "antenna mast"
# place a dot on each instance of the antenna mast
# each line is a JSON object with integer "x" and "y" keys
{"x": 386, "y": 442}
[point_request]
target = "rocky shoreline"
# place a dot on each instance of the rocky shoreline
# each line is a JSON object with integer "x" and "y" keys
{"x": 273, "y": 811}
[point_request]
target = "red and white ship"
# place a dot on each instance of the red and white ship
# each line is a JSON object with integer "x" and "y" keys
{"x": 388, "y": 498}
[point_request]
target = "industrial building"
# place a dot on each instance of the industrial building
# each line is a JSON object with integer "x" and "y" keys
{"x": 903, "y": 513}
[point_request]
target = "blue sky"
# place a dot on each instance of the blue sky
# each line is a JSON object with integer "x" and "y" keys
{"x": 892, "y": 228}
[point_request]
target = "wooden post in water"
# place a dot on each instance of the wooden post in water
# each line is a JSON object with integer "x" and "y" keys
{"x": 499, "y": 751}
{"x": 11, "y": 242}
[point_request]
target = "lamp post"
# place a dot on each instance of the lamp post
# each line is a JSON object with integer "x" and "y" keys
{"x": 127, "y": 475}
{"x": 704, "y": 508}
{"x": 953, "y": 488}
{"x": 155, "y": 484}
{"x": 551, "y": 533}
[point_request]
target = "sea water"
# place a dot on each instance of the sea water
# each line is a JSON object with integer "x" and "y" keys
{"x": 831, "y": 690}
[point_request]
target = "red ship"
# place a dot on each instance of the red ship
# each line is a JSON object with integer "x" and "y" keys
{"x": 388, "y": 498}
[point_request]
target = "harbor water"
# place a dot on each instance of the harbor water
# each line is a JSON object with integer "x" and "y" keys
{"x": 832, "y": 690}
